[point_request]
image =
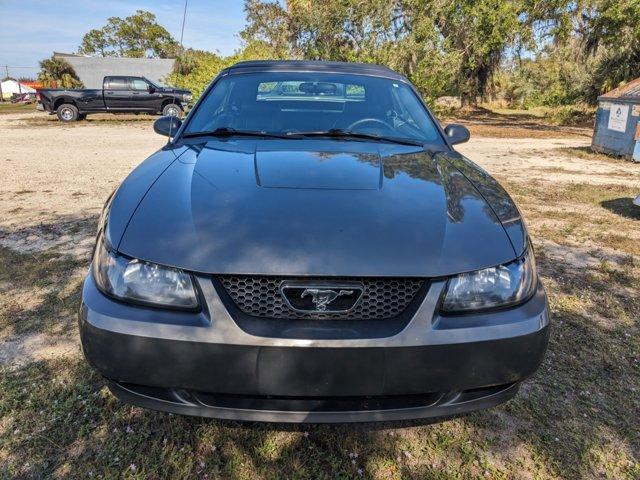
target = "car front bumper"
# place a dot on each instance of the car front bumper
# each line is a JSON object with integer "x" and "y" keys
{"x": 205, "y": 364}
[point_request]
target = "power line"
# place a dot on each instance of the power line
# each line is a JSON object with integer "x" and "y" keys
{"x": 10, "y": 66}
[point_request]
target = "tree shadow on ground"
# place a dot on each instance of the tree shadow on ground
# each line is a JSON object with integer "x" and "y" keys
{"x": 623, "y": 207}
{"x": 487, "y": 122}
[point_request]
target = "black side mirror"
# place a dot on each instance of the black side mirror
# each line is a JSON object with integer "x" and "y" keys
{"x": 457, "y": 133}
{"x": 151, "y": 89}
{"x": 167, "y": 126}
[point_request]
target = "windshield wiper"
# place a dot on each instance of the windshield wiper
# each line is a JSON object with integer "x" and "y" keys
{"x": 230, "y": 132}
{"x": 342, "y": 133}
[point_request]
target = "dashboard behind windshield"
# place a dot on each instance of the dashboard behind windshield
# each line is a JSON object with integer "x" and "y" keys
{"x": 291, "y": 102}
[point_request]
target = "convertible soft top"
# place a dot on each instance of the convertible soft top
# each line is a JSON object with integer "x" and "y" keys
{"x": 314, "y": 66}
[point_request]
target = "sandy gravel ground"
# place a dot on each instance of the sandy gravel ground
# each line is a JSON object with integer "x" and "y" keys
{"x": 549, "y": 159}
{"x": 55, "y": 178}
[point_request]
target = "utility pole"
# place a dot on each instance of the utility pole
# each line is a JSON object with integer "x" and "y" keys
{"x": 19, "y": 89}
{"x": 6, "y": 69}
{"x": 184, "y": 17}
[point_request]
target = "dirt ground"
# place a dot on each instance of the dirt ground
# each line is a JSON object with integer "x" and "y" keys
{"x": 577, "y": 418}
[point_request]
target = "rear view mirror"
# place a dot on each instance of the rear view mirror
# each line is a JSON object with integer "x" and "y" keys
{"x": 167, "y": 126}
{"x": 457, "y": 133}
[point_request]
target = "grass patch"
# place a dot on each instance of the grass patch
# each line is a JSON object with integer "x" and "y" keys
{"x": 586, "y": 153}
{"x": 581, "y": 213}
{"x": 562, "y": 196}
{"x": 101, "y": 119}
{"x": 38, "y": 293}
{"x": 7, "y": 107}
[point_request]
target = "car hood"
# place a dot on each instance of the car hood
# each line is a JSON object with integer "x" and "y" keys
{"x": 316, "y": 207}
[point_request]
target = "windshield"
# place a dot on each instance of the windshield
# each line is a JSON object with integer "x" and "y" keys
{"x": 153, "y": 84}
{"x": 313, "y": 102}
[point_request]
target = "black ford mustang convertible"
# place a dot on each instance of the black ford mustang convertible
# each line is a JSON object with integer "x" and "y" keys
{"x": 309, "y": 247}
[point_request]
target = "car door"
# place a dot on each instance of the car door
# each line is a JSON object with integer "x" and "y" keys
{"x": 141, "y": 98}
{"x": 117, "y": 94}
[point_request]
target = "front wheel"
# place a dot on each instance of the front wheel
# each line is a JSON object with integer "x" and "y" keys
{"x": 67, "y": 113}
{"x": 172, "y": 110}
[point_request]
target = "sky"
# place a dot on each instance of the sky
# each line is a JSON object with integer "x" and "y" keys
{"x": 31, "y": 30}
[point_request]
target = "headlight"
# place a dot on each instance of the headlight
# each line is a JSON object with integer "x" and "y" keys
{"x": 187, "y": 97}
{"x": 493, "y": 287}
{"x": 142, "y": 282}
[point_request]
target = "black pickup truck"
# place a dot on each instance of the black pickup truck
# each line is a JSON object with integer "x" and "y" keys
{"x": 119, "y": 94}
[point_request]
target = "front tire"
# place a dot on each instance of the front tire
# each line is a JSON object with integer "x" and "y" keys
{"x": 67, "y": 113}
{"x": 172, "y": 110}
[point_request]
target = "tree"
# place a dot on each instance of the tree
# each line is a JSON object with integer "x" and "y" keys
{"x": 268, "y": 24}
{"x": 56, "y": 72}
{"x": 137, "y": 36}
{"x": 479, "y": 33}
{"x": 443, "y": 46}
{"x": 194, "y": 70}
{"x": 377, "y": 31}
{"x": 610, "y": 31}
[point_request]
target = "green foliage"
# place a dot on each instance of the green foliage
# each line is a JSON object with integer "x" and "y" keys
{"x": 557, "y": 76}
{"x": 613, "y": 31}
{"x": 442, "y": 46}
{"x": 574, "y": 114}
{"x": 138, "y": 36}
{"x": 478, "y": 32}
{"x": 195, "y": 69}
{"x": 56, "y": 72}
{"x": 525, "y": 53}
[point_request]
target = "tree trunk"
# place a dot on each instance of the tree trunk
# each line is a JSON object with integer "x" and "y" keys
{"x": 468, "y": 100}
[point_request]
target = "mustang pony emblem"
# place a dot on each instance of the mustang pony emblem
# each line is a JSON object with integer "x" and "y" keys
{"x": 307, "y": 297}
{"x": 322, "y": 297}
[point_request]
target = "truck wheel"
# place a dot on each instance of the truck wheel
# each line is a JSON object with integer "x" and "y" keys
{"x": 67, "y": 113}
{"x": 172, "y": 110}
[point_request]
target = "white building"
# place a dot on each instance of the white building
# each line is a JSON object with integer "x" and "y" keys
{"x": 10, "y": 86}
{"x": 91, "y": 70}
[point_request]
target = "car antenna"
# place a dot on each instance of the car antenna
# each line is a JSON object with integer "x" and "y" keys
{"x": 184, "y": 17}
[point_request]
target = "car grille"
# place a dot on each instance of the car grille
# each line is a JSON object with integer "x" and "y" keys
{"x": 382, "y": 298}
